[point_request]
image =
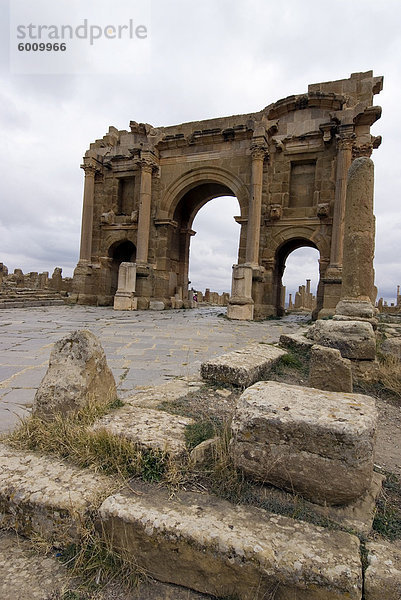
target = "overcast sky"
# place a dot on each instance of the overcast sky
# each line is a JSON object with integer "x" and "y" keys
{"x": 200, "y": 60}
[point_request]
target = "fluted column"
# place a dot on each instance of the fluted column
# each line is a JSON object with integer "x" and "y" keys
{"x": 145, "y": 197}
{"x": 344, "y": 158}
{"x": 255, "y": 207}
{"x": 87, "y": 212}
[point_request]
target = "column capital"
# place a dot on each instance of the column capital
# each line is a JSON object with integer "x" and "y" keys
{"x": 259, "y": 152}
{"x": 147, "y": 166}
{"x": 362, "y": 150}
{"x": 345, "y": 141}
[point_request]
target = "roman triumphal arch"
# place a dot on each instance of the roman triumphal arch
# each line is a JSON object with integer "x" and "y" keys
{"x": 287, "y": 165}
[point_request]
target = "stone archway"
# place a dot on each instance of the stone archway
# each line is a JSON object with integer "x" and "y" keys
{"x": 286, "y": 164}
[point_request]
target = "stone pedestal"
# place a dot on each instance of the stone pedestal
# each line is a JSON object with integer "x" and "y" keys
{"x": 240, "y": 304}
{"x": 124, "y": 298}
{"x": 358, "y": 275}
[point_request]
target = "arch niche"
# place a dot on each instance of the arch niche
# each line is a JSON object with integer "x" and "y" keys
{"x": 121, "y": 251}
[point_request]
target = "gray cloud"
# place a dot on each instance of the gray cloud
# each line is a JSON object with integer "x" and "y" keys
{"x": 207, "y": 59}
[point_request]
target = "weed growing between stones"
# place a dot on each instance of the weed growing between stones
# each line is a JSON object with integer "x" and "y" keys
{"x": 72, "y": 438}
{"x": 387, "y": 520}
{"x": 292, "y": 368}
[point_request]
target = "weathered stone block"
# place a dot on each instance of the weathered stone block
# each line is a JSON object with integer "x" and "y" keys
{"x": 156, "y": 305}
{"x": 296, "y": 341}
{"x": 316, "y": 443}
{"x": 383, "y": 575}
{"x": 354, "y": 339}
{"x": 77, "y": 375}
{"x": 209, "y": 545}
{"x": 329, "y": 371}
{"x": 392, "y": 346}
{"x": 149, "y": 428}
{"x": 46, "y": 496}
{"x": 242, "y": 367}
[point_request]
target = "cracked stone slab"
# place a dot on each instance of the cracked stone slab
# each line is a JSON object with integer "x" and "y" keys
{"x": 152, "y": 396}
{"x": 242, "y": 367}
{"x": 46, "y": 496}
{"x": 211, "y": 546}
{"x": 153, "y": 429}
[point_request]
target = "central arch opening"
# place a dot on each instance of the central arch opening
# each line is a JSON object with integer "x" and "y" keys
{"x": 208, "y": 209}
{"x": 214, "y": 248}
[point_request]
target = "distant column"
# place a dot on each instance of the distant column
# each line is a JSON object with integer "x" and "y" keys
{"x": 259, "y": 154}
{"x": 87, "y": 212}
{"x": 145, "y": 197}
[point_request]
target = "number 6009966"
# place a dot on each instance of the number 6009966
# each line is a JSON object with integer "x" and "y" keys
{"x": 42, "y": 47}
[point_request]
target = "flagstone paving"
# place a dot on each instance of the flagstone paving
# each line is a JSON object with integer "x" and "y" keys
{"x": 142, "y": 347}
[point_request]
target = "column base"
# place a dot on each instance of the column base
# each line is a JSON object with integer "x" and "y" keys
{"x": 125, "y": 301}
{"x": 240, "y": 309}
{"x": 350, "y": 307}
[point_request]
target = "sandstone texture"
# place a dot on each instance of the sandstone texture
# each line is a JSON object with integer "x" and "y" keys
{"x": 316, "y": 443}
{"x": 383, "y": 575}
{"x": 242, "y": 367}
{"x": 329, "y": 371}
{"x": 77, "y": 375}
{"x": 46, "y": 496}
{"x": 354, "y": 339}
{"x": 213, "y": 547}
{"x": 149, "y": 428}
{"x": 392, "y": 346}
{"x": 296, "y": 341}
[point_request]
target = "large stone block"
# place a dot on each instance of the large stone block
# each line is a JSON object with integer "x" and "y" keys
{"x": 383, "y": 575}
{"x": 316, "y": 443}
{"x": 77, "y": 375}
{"x": 329, "y": 371}
{"x": 46, "y": 496}
{"x": 354, "y": 339}
{"x": 209, "y": 545}
{"x": 242, "y": 367}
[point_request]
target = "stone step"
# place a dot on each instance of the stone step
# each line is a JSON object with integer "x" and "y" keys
{"x": 242, "y": 367}
{"x": 211, "y": 546}
{"x": 149, "y": 428}
{"x": 46, "y": 496}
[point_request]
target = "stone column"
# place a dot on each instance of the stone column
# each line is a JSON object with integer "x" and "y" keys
{"x": 124, "y": 298}
{"x": 87, "y": 212}
{"x": 255, "y": 206}
{"x": 344, "y": 158}
{"x": 145, "y": 198}
{"x": 240, "y": 304}
{"x": 359, "y": 240}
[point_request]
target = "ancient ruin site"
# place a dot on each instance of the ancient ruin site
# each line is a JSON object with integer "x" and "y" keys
{"x": 164, "y": 442}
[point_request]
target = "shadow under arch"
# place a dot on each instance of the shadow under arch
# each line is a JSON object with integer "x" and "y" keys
{"x": 229, "y": 184}
{"x": 282, "y": 253}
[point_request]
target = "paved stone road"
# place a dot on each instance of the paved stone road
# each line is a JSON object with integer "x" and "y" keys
{"x": 142, "y": 348}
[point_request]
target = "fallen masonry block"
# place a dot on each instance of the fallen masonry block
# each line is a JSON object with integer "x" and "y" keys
{"x": 242, "y": 367}
{"x": 296, "y": 341}
{"x": 77, "y": 375}
{"x": 383, "y": 575}
{"x": 149, "y": 428}
{"x": 204, "y": 543}
{"x": 316, "y": 443}
{"x": 329, "y": 370}
{"x": 46, "y": 496}
{"x": 354, "y": 339}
